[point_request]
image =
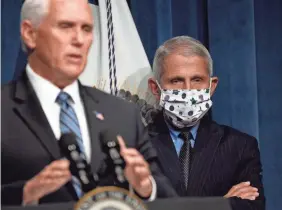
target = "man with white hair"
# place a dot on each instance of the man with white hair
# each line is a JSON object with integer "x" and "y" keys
{"x": 200, "y": 157}
{"x": 48, "y": 101}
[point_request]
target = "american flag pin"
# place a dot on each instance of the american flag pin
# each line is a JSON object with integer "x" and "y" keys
{"x": 99, "y": 115}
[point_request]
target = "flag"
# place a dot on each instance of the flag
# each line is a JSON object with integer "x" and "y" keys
{"x": 117, "y": 59}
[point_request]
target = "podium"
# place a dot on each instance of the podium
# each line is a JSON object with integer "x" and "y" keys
{"x": 190, "y": 203}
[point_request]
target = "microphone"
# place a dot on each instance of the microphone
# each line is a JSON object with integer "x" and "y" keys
{"x": 78, "y": 164}
{"x": 110, "y": 146}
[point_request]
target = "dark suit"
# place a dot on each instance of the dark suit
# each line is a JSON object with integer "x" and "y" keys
{"x": 222, "y": 157}
{"x": 29, "y": 144}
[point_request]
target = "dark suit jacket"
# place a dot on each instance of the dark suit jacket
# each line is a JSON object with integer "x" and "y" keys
{"x": 28, "y": 142}
{"x": 222, "y": 157}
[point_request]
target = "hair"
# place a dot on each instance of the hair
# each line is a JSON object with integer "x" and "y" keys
{"x": 34, "y": 11}
{"x": 181, "y": 45}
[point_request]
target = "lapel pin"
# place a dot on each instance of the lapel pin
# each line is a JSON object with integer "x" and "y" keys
{"x": 98, "y": 115}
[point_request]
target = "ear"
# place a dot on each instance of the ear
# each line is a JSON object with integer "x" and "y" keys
{"x": 214, "y": 83}
{"x": 28, "y": 34}
{"x": 154, "y": 88}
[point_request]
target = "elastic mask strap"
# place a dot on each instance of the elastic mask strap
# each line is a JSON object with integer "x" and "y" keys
{"x": 210, "y": 86}
{"x": 159, "y": 85}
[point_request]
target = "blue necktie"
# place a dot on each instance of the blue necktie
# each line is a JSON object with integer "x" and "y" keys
{"x": 69, "y": 124}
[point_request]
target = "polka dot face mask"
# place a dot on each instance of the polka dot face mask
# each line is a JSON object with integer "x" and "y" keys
{"x": 184, "y": 108}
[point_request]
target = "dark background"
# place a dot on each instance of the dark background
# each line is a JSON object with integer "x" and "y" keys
{"x": 244, "y": 39}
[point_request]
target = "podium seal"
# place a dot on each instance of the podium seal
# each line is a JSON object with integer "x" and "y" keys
{"x": 110, "y": 198}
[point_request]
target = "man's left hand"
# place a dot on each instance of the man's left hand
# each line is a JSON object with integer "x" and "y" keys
{"x": 137, "y": 170}
{"x": 244, "y": 190}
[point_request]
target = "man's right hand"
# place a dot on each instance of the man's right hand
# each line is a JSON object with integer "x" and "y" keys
{"x": 244, "y": 191}
{"x": 50, "y": 179}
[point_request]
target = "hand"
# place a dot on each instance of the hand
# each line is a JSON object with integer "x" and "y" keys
{"x": 243, "y": 191}
{"x": 50, "y": 179}
{"x": 137, "y": 169}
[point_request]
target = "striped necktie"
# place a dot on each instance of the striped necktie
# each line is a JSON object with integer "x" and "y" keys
{"x": 69, "y": 124}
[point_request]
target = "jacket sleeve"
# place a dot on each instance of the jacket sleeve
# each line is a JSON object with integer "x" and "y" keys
{"x": 12, "y": 194}
{"x": 250, "y": 169}
{"x": 145, "y": 147}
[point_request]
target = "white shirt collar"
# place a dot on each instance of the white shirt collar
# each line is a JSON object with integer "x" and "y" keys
{"x": 46, "y": 91}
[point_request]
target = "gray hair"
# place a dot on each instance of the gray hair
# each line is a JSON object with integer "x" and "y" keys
{"x": 182, "y": 45}
{"x": 34, "y": 11}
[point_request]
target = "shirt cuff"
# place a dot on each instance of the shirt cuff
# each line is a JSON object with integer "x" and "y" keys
{"x": 154, "y": 190}
{"x": 33, "y": 203}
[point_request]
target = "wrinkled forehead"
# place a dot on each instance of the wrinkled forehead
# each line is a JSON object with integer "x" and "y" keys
{"x": 70, "y": 10}
{"x": 177, "y": 63}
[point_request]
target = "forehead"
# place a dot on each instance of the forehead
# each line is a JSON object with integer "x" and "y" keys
{"x": 73, "y": 10}
{"x": 178, "y": 64}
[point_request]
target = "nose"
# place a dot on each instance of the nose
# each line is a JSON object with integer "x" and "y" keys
{"x": 187, "y": 85}
{"x": 78, "y": 37}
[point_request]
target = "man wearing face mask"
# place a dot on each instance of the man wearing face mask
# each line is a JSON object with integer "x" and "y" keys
{"x": 199, "y": 156}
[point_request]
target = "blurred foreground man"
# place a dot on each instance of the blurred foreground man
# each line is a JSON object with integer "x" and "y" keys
{"x": 48, "y": 101}
{"x": 199, "y": 156}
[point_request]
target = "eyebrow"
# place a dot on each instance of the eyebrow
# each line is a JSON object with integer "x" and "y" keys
{"x": 198, "y": 76}
{"x": 74, "y": 23}
{"x": 176, "y": 77}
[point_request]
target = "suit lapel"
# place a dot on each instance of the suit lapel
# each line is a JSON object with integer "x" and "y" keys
{"x": 95, "y": 124}
{"x": 30, "y": 111}
{"x": 206, "y": 144}
{"x": 166, "y": 152}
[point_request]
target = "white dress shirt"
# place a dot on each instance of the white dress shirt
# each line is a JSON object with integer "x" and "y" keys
{"x": 47, "y": 93}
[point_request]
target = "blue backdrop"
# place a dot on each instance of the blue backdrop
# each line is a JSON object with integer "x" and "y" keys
{"x": 244, "y": 38}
